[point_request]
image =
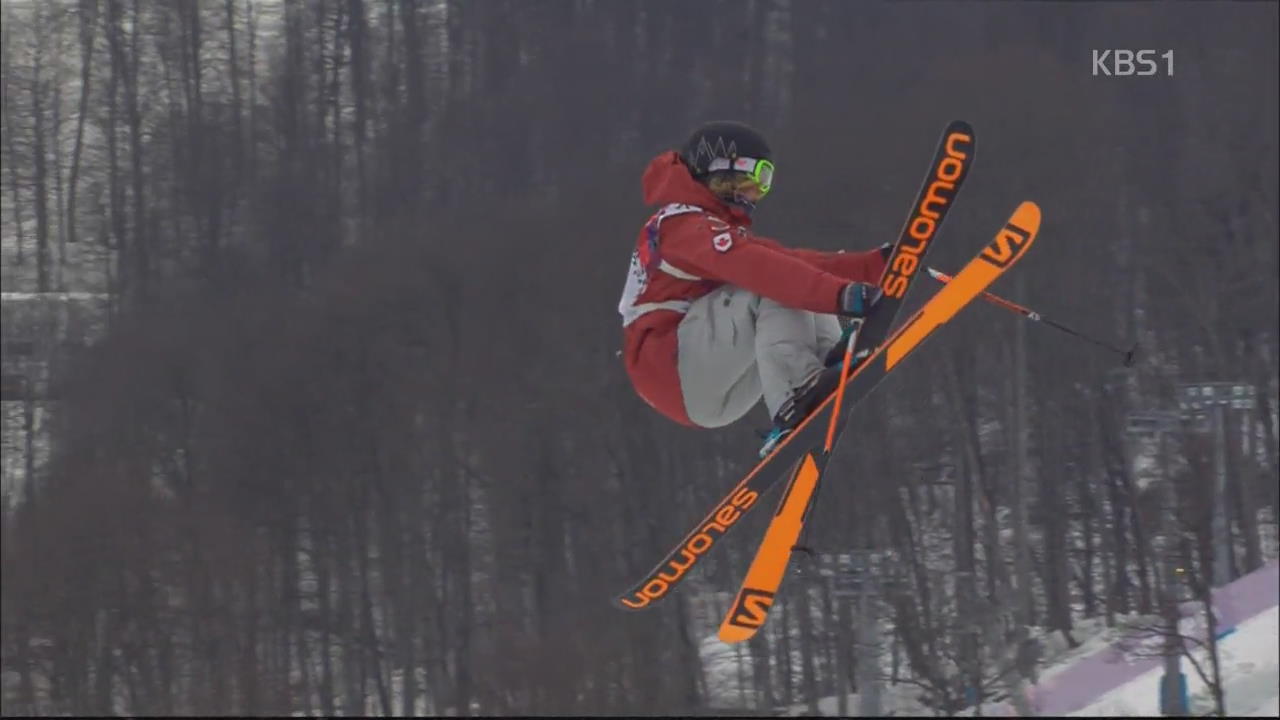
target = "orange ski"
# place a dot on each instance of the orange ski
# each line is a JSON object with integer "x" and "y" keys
{"x": 751, "y": 607}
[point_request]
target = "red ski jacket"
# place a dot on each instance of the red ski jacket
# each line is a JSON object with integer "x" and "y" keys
{"x": 694, "y": 244}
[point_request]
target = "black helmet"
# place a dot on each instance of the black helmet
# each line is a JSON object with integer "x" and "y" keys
{"x": 723, "y": 139}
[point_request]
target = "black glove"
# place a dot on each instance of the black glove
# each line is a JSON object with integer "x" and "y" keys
{"x": 856, "y": 299}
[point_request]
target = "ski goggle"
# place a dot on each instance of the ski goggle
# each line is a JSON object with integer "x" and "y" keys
{"x": 760, "y": 171}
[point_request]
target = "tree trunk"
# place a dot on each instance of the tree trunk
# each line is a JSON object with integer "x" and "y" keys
{"x": 1087, "y": 508}
{"x": 237, "y": 105}
{"x": 119, "y": 240}
{"x": 88, "y": 27}
{"x": 1244, "y": 498}
{"x": 808, "y": 674}
{"x": 11, "y": 131}
{"x": 40, "y": 192}
{"x": 1024, "y": 605}
{"x": 251, "y": 27}
{"x": 60, "y": 212}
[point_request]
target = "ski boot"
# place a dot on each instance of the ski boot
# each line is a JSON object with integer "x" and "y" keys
{"x": 811, "y": 391}
{"x": 804, "y": 398}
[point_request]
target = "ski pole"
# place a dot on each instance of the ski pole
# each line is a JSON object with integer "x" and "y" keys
{"x": 1030, "y": 314}
{"x": 844, "y": 376}
{"x": 802, "y": 542}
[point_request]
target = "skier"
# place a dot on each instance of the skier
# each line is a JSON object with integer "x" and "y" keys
{"x": 716, "y": 317}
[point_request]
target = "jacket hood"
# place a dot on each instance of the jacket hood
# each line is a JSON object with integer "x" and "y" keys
{"x": 667, "y": 180}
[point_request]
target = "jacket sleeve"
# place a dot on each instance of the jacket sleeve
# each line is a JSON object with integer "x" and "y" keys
{"x": 744, "y": 260}
{"x": 865, "y": 267}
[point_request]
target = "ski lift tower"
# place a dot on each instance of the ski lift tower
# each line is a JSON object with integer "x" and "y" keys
{"x": 1205, "y": 405}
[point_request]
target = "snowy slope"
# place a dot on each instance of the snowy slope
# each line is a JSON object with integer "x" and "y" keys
{"x": 1250, "y": 669}
{"x": 1081, "y": 683}
{"x": 1098, "y": 678}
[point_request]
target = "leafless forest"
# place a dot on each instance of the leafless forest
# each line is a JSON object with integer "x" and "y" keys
{"x": 344, "y": 431}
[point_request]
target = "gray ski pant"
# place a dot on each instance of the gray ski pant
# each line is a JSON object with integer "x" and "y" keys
{"x": 736, "y": 346}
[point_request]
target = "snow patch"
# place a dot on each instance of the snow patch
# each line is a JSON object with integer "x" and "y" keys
{"x": 1250, "y": 672}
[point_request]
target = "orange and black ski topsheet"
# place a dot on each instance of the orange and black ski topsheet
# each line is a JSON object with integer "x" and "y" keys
{"x": 952, "y": 160}
{"x": 751, "y": 606}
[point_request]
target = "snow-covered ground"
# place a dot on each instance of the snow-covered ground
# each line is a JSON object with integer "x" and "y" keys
{"x": 1270, "y": 708}
{"x": 1113, "y": 672}
{"x": 1250, "y": 671}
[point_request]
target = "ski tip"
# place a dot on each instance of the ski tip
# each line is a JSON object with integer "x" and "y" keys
{"x": 1027, "y": 216}
{"x": 746, "y": 616}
